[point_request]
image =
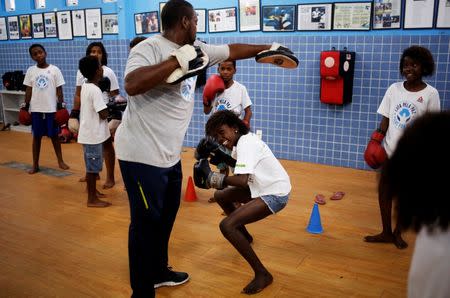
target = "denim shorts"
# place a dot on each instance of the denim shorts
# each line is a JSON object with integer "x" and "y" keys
{"x": 93, "y": 157}
{"x": 275, "y": 203}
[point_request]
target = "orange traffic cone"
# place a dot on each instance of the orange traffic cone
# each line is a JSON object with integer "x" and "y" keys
{"x": 189, "y": 195}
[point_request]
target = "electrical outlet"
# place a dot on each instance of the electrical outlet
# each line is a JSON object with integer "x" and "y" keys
{"x": 259, "y": 133}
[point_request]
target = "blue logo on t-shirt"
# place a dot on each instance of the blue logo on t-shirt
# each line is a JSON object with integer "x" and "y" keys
{"x": 403, "y": 113}
{"x": 42, "y": 81}
{"x": 187, "y": 88}
{"x": 222, "y": 104}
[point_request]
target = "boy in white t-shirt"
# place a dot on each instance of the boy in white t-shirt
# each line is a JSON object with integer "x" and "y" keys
{"x": 43, "y": 96}
{"x": 234, "y": 97}
{"x": 111, "y": 86}
{"x": 93, "y": 130}
{"x": 260, "y": 184}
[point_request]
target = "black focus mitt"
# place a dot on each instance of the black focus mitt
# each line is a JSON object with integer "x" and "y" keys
{"x": 278, "y": 55}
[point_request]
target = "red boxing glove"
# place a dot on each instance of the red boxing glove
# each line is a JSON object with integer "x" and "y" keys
{"x": 213, "y": 85}
{"x": 24, "y": 117}
{"x": 375, "y": 155}
{"x": 61, "y": 115}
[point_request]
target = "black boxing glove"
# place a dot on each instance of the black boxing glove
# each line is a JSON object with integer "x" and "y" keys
{"x": 205, "y": 178}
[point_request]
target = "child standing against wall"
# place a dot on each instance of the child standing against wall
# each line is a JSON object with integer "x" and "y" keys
{"x": 402, "y": 103}
{"x": 43, "y": 97}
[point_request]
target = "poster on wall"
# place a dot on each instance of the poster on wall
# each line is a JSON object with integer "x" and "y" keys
{"x": 352, "y": 16}
{"x": 201, "y": 20}
{"x": 13, "y": 27}
{"x": 386, "y": 14}
{"x": 50, "y": 24}
{"x": 64, "y": 25}
{"x": 25, "y": 26}
{"x": 94, "y": 23}
{"x": 443, "y": 16}
{"x": 314, "y": 17}
{"x": 146, "y": 22}
{"x": 78, "y": 23}
{"x": 37, "y": 21}
{"x": 3, "y": 33}
{"x": 222, "y": 20}
{"x": 110, "y": 24}
{"x": 419, "y": 14}
{"x": 249, "y": 15}
{"x": 278, "y": 18}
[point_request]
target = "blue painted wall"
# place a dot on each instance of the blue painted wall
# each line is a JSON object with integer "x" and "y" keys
{"x": 286, "y": 102}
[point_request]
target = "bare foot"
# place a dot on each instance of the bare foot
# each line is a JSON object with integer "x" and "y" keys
{"x": 83, "y": 179}
{"x": 258, "y": 283}
{"x": 211, "y": 200}
{"x": 33, "y": 170}
{"x": 100, "y": 194}
{"x": 63, "y": 166}
{"x": 387, "y": 238}
{"x": 98, "y": 203}
{"x": 399, "y": 242}
{"x": 108, "y": 184}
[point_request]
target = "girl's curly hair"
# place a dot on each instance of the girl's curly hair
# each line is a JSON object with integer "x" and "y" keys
{"x": 421, "y": 55}
{"x": 220, "y": 118}
{"x": 412, "y": 177}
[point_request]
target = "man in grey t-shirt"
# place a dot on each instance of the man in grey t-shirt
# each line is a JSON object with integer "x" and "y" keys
{"x": 149, "y": 140}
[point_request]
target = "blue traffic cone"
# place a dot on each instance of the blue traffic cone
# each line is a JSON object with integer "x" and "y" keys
{"x": 315, "y": 225}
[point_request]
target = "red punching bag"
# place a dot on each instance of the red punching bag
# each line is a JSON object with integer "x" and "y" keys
{"x": 336, "y": 72}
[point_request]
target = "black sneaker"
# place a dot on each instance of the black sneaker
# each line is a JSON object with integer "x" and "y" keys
{"x": 171, "y": 278}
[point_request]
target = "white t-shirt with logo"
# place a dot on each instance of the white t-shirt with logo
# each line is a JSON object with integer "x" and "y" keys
{"x": 43, "y": 82}
{"x": 266, "y": 175}
{"x": 235, "y": 99}
{"x": 107, "y": 72}
{"x": 402, "y": 106}
{"x": 155, "y": 123}
{"x": 93, "y": 129}
{"x": 429, "y": 274}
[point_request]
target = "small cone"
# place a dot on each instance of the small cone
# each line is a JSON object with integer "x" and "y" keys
{"x": 189, "y": 195}
{"x": 315, "y": 225}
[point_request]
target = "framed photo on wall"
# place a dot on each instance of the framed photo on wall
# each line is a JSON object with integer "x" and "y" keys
{"x": 64, "y": 22}
{"x": 249, "y": 15}
{"x": 279, "y": 18}
{"x": 13, "y": 27}
{"x": 314, "y": 17}
{"x": 25, "y": 26}
{"x": 201, "y": 24}
{"x": 37, "y": 22}
{"x": 3, "y": 32}
{"x": 222, "y": 20}
{"x": 146, "y": 22}
{"x": 387, "y": 14}
{"x": 352, "y": 15}
{"x": 110, "y": 24}
{"x": 418, "y": 14}
{"x": 443, "y": 14}
{"x": 78, "y": 23}
{"x": 50, "y": 24}
{"x": 94, "y": 23}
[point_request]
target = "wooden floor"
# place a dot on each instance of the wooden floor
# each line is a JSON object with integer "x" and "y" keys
{"x": 52, "y": 245}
